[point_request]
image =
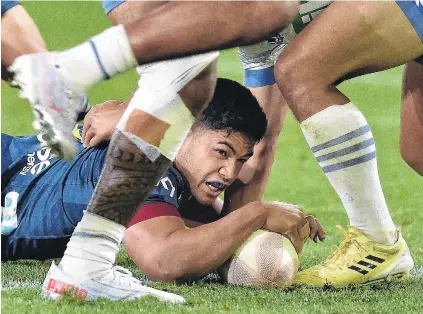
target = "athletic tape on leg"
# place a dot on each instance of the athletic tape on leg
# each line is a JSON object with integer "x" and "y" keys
{"x": 174, "y": 74}
{"x": 158, "y": 96}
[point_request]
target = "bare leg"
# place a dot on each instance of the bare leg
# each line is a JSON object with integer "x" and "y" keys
{"x": 173, "y": 29}
{"x": 136, "y": 158}
{"x": 411, "y": 139}
{"x": 255, "y": 173}
{"x": 347, "y": 39}
{"x": 196, "y": 27}
{"x": 127, "y": 179}
{"x": 19, "y": 36}
{"x": 354, "y": 38}
{"x": 132, "y": 11}
{"x": 129, "y": 175}
{"x": 157, "y": 31}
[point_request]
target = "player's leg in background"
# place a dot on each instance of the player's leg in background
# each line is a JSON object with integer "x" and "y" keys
{"x": 198, "y": 91}
{"x": 411, "y": 138}
{"x": 255, "y": 173}
{"x": 347, "y": 39}
{"x": 175, "y": 29}
{"x": 147, "y": 29}
{"x": 258, "y": 62}
{"x": 364, "y": 41}
{"x": 19, "y": 35}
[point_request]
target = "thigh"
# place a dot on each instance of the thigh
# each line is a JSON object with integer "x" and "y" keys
{"x": 42, "y": 232}
{"x": 49, "y": 206}
{"x": 352, "y": 37}
{"x": 124, "y": 12}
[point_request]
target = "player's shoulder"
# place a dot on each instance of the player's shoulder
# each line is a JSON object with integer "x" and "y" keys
{"x": 171, "y": 181}
{"x": 168, "y": 189}
{"x": 175, "y": 174}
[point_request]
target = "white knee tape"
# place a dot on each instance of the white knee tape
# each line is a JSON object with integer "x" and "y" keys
{"x": 158, "y": 96}
{"x": 174, "y": 74}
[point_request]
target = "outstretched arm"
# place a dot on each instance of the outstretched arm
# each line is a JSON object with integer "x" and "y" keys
{"x": 165, "y": 250}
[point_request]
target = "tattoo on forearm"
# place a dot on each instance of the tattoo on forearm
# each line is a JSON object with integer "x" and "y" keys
{"x": 127, "y": 179}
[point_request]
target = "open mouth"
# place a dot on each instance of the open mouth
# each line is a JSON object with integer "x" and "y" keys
{"x": 216, "y": 187}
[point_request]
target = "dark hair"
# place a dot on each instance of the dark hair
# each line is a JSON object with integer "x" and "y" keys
{"x": 233, "y": 108}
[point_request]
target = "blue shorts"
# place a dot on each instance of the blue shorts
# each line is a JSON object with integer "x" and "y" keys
{"x": 110, "y": 5}
{"x": 41, "y": 234}
{"x": 49, "y": 203}
{"x": 7, "y": 5}
{"x": 413, "y": 10}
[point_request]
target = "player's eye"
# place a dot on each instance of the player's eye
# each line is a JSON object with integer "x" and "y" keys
{"x": 221, "y": 152}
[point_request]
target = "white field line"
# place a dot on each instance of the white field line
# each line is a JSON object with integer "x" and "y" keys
{"x": 417, "y": 272}
{"x": 19, "y": 284}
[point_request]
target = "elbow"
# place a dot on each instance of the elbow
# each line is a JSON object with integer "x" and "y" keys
{"x": 162, "y": 267}
{"x": 162, "y": 275}
{"x": 157, "y": 269}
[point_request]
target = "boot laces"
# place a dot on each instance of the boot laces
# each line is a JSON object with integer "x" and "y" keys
{"x": 124, "y": 277}
{"x": 343, "y": 254}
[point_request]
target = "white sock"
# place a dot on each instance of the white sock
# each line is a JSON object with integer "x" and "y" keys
{"x": 343, "y": 144}
{"x": 93, "y": 245}
{"x": 98, "y": 59}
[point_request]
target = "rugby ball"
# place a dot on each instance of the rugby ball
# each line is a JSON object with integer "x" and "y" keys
{"x": 266, "y": 259}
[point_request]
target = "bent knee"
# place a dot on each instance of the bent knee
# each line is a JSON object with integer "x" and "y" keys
{"x": 291, "y": 77}
{"x": 294, "y": 64}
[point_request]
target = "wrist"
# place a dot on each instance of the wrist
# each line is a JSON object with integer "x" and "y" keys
{"x": 258, "y": 213}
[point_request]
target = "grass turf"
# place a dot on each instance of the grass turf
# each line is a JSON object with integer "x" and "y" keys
{"x": 296, "y": 178}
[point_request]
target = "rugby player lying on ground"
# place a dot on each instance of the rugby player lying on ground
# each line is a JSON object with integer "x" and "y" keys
{"x": 50, "y": 195}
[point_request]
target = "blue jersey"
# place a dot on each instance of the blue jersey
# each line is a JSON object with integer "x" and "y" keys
{"x": 43, "y": 197}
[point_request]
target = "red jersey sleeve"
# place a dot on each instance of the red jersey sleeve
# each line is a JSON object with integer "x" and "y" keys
{"x": 152, "y": 210}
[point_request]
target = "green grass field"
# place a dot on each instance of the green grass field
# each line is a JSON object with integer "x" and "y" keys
{"x": 296, "y": 178}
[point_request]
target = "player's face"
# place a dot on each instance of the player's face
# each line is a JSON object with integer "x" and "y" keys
{"x": 210, "y": 161}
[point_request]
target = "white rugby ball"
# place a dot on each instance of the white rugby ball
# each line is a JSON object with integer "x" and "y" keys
{"x": 266, "y": 259}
